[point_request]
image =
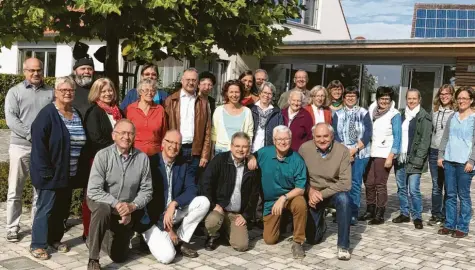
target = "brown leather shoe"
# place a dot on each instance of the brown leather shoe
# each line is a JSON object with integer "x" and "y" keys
{"x": 445, "y": 231}
{"x": 459, "y": 234}
{"x": 187, "y": 251}
{"x": 93, "y": 265}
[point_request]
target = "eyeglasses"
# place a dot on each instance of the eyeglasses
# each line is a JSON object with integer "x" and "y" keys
{"x": 150, "y": 74}
{"x": 172, "y": 142}
{"x": 148, "y": 91}
{"x": 463, "y": 99}
{"x": 123, "y": 133}
{"x": 66, "y": 90}
{"x": 39, "y": 71}
{"x": 280, "y": 140}
{"x": 445, "y": 94}
{"x": 385, "y": 99}
{"x": 266, "y": 94}
{"x": 300, "y": 78}
{"x": 190, "y": 80}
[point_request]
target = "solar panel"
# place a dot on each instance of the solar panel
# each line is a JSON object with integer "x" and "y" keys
{"x": 440, "y": 23}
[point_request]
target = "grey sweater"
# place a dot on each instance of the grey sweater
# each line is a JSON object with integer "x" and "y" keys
{"x": 439, "y": 123}
{"x": 113, "y": 180}
{"x": 22, "y": 105}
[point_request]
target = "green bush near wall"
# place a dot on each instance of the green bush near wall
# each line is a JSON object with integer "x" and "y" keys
{"x": 28, "y": 191}
{"x": 7, "y": 81}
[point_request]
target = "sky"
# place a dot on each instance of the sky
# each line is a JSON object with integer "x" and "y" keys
{"x": 384, "y": 19}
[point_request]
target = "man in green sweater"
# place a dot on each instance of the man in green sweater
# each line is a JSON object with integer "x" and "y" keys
{"x": 329, "y": 180}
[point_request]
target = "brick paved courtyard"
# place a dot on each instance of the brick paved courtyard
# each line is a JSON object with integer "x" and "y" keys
{"x": 388, "y": 246}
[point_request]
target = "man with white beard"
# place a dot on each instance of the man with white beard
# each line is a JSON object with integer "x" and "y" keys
{"x": 83, "y": 72}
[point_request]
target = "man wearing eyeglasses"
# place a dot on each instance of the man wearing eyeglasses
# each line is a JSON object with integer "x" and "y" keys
{"x": 83, "y": 74}
{"x": 174, "y": 201}
{"x": 120, "y": 185}
{"x": 190, "y": 114}
{"x": 300, "y": 81}
{"x": 283, "y": 178}
{"x": 22, "y": 104}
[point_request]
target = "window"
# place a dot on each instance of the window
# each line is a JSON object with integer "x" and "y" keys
{"x": 309, "y": 14}
{"x": 47, "y": 56}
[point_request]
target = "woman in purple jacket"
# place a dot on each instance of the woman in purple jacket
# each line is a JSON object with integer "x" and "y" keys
{"x": 298, "y": 120}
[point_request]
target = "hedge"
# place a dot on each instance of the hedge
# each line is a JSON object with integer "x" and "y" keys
{"x": 7, "y": 81}
{"x": 28, "y": 190}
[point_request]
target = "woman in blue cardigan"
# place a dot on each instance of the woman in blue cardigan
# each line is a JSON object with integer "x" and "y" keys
{"x": 57, "y": 137}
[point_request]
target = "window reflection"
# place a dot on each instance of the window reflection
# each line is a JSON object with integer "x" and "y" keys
{"x": 379, "y": 75}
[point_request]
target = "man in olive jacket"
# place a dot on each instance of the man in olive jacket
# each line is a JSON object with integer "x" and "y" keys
{"x": 412, "y": 160}
{"x": 233, "y": 191}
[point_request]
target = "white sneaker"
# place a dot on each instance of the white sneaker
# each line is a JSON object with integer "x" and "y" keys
{"x": 344, "y": 254}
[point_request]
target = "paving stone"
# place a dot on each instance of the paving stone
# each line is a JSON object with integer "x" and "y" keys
{"x": 20, "y": 263}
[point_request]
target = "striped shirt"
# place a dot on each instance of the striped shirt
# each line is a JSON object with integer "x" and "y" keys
{"x": 77, "y": 137}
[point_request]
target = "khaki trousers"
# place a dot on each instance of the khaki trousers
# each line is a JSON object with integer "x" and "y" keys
{"x": 237, "y": 235}
{"x": 298, "y": 208}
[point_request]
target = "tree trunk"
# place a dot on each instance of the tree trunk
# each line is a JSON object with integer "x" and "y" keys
{"x": 111, "y": 66}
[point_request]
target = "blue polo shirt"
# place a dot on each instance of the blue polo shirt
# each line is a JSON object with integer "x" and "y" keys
{"x": 279, "y": 177}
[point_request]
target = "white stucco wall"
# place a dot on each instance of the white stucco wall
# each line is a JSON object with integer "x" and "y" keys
{"x": 9, "y": 60}
{"x": 331, "y": 24}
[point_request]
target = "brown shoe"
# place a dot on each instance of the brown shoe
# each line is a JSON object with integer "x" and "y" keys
{"x": 187, "y": 251}
{"x": 93, "y": 265}
{"x": 445, "y": 231}
{"x": 459, "y": 234}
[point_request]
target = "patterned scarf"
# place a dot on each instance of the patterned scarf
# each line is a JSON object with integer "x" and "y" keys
{"x": 337, "y": 103}
{"x": 263, "y": 116}
{"x": 112, "y": 110}
{"x": 350, "y": 117}
{"x": 378, "y": 114}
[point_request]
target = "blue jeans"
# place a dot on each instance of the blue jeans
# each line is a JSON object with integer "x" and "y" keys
{"x": 438, "y": 179}
{"x": 316, "y": 226}
{"x": 193, "y": 161}
{"x": 413, "y": 183}
{"x": 457, "y": 184}
{"x": 357, "y": 170}
{"x": 52, "y": 209}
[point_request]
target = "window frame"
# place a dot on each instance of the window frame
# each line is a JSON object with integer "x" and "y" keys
{"x": 316, "y": 15}
{"x": 22, "y": 56}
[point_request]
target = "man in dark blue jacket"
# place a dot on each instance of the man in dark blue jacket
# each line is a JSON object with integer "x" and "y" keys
{"x": 174, "y": 200}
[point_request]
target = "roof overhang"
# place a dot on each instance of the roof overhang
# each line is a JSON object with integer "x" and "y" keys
{"x": 436, "y": 48}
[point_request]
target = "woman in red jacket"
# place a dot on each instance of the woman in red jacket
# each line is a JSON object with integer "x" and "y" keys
{"x": 318, "y": 108}
{"x": 298, "y": 120}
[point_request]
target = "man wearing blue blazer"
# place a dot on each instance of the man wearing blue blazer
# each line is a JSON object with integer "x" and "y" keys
{"x": 174, "y": 201}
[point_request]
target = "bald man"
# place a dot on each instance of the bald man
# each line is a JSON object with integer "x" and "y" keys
{"x": 300, "y": 81}
{"x": 174, "y": 200}
{"x": 22, "y": 104}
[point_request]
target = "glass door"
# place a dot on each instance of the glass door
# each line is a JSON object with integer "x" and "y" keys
{"x": 426, "y": 79}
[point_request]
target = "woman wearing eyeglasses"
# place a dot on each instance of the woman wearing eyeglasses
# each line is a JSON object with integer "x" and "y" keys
{"x": 148, "y": 118}
{"x": 231, "y": 117}
{"x": 456, "y": 157}
{"x": 444, "y": 107}
{"x": 58, "y": 137}
{"x": 149, "y": 71}
{"x": 99, "y": 122}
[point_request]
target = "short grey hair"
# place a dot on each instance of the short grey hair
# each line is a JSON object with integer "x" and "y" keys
{"x": 240, "y": 135}
{"x": 124, "y": 120}
{"x": 62, "y": 80}
{"x": 268, "y": 84}
{"x": 330, "y": 128}
{"x": 281, "y": 128}
{"x": 293, "y": 92}
{"x": 143, "y": 82}
{"x": 263, "y": 71}
{"x": 191, "y": 69}
{"x": 414, "y": 90}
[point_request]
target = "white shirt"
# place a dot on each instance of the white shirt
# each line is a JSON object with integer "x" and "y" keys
{"x": 260, "y": 135}
{"x": 319, "y": 116}
{"x": 235, "y": 201}
{"x": 291, "y": 116}
{"x": 187, "y": 116}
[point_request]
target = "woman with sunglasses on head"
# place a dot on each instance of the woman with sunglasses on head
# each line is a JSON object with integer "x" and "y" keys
{"x": 444, "y": 107}
{"x": 457, "y": 157}
{"x": 230, "y": 117}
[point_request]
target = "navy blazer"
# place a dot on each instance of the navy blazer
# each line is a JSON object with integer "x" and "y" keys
{"x": 184, "y": 188}
{"x": 50, "y": 144}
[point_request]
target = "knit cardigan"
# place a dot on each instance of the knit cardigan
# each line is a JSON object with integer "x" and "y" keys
{"x": 220, "y": 137}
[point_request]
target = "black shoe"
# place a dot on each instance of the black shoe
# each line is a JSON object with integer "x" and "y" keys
{"x": 12, "y": 236}
{"x": 435, "y": 221}
{"x": 378, "y": 217}
{"x": 418, "y": 224}
{"x": 211, "y": 243}
{"x": 93, "y": 265}
{"x": 401, "y": 219}
{"x": 369, "y": 214}
{"x": 187, "y": 251}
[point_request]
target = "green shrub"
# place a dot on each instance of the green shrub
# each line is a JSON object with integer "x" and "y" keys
{"x": 7, "y": 81}
{"x": 3, "y": 124}
{"x": 28, "y": 191}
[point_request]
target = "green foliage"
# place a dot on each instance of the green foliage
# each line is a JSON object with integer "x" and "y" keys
{"x": 7, "y": 81}
{"x": 28, "y": 191}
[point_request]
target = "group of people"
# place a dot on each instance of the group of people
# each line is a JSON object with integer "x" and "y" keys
{"x": 161, "y": 165}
